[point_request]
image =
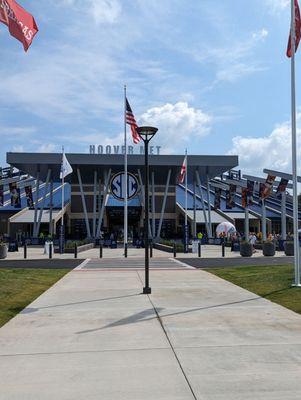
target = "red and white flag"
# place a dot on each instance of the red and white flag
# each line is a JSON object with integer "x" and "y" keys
{"x": 297, "y": 31}
{"x": 183, "y": 170}
{"x": 130, "y": 119}
{"x": 20, "y": 23}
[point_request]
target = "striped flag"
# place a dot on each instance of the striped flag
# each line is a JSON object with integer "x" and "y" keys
{"x": 183, "y": 170}
{"x": 297, "y": 31}
{"x": 130, "y": 119}
{"x": 20, "y": 23}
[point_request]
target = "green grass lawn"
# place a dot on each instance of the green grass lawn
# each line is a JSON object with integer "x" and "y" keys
{"x": 19, "y": 287}
{"x": 272, "y": 282}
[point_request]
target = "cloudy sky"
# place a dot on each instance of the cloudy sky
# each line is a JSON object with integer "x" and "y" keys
{"x": 211, "y": 75}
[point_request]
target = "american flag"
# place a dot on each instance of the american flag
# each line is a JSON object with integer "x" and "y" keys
{"x": 130, "y": 119}
{"x": 183, "y": 170}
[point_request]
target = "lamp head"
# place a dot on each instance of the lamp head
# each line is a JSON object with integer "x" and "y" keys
{"x": 146, "y": 132}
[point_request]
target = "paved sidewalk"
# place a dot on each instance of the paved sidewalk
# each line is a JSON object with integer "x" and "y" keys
{"x": 93, "y": 336}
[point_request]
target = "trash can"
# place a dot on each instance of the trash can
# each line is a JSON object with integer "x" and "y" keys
{"x": 195, "y": 244}
{"x": 46, "y": 247}
{"x": 12, "y": 246}
{"x": 236, "y": 246}
{"x": 113, "y": 244}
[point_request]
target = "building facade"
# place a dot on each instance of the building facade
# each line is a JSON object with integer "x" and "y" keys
{"x": 91, "y": 207}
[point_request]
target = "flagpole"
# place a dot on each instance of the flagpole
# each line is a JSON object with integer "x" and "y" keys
{"x": 294, "y": 146}
{"x": 186, "y": 223}
{"x": 125, "y": 182}
{"x": 63, "y": 201}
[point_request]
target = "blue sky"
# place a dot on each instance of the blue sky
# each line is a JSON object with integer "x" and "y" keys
{"x": 212, "y": 75}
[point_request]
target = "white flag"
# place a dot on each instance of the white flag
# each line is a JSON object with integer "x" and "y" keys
{"x": 66, "y": 168}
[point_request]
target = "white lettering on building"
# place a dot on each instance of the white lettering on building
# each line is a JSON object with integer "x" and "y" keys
{"x": 108, "y": 149}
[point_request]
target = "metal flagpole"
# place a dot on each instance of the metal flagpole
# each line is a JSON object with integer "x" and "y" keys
{"x": 125, "y": 183}
{"x": 294, "y": 146}
{"x": 63, "y": 201}
{"x": 186, "y": 220}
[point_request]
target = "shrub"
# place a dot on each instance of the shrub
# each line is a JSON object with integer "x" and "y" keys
{"x": 70, "y": 244}
{"x": 179, "y": 246}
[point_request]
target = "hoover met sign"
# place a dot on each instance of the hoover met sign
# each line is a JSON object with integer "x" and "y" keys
{"x": 119, "y": 149}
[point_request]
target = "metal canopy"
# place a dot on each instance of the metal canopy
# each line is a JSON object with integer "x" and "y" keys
{"x": 263, "y": 180}
{"x": 283, "y": 175}
{"x": 31, "y": 163}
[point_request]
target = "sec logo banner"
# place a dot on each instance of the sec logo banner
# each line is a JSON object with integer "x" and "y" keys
{"x": 117, "y": 186}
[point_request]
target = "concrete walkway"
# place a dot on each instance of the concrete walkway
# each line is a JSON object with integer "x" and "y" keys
{"x": 94, "y": 336}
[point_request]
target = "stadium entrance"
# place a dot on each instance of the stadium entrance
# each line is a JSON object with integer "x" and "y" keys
{"x": 115, "y": 223}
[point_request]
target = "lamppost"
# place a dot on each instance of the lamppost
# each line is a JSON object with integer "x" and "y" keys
{"x": 146, "y": 133}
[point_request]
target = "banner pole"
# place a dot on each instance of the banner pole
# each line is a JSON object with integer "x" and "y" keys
{"x": 294, "y": 147}
{"x": 63, "y": 201}
{"x": 125, "y": 182}
{"x": 186, "y": 219}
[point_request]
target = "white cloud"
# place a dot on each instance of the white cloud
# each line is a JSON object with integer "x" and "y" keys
{"x": 236, "y": 71}
{"x": 178, "y": 123}
{"x": 102, "y": 11}
{"x": 68, "y": 81}
{"x": 47, "y": 148}
{"x": 11, "y": 131}
{"x": 178, "y": 126}
{"x": 235, "y": 60}
{"x": 271, "y": 151}
{"x": 18, "y": 148}
{"x": 277, "y": 5}
{"x": 260, "y": 35}
{"x": 106, "y": 10}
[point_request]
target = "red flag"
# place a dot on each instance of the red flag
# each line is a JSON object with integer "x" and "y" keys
{"x": 183, "y": 170}
{"x": 297, "y": 31}
{"x": 3, "y": 14}
{"x": 20, "y": 23}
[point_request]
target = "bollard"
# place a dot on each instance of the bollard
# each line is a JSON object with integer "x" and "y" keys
{"x": 25, "y": 250}
{"x": 199, "y": 249}
{"x": 100, "y": 250}
{"x": 50, "y": 250}
{"x": 125, "y": 250}
{"x": 151, "y": 250}
{"x": 174, "y": 250}
{"x": 223, "y": 249}
{"x": 75, "y": 250}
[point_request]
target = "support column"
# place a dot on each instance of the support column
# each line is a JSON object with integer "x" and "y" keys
{"x": 43, "y": 202}
{"x": 83, "y": 203}
{"x": 247, "y": 225}
{"x": 202, "y": 201}
{"x": 264, "y": 221}
{"x": 51, "y": 208}
{"x": 35, "y": 218}
{"x": 283, "y": 216}
{"x": 163, "y": 204}
{"x": 94, "y": 203}
{"x": 194, "y": 210}
{"x": 102, "y": 208}
{"x": 209, "y": 208}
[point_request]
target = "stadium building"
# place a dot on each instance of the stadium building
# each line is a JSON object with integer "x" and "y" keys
{"x": 93, "y": 199}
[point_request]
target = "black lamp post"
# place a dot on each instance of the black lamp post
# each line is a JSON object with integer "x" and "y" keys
{"x": 146, "y": 133}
